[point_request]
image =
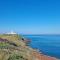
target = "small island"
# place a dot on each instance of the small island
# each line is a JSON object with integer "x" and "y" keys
{"x": 14, "y": 47}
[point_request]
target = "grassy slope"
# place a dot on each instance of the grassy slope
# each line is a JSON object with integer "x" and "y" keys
{"x": 13, "y": 38}
{"x": 11, "y": 52}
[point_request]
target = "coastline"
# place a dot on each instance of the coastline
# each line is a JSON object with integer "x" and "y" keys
{"x": 16, "y": 48}
{"x": 42, "y": 55}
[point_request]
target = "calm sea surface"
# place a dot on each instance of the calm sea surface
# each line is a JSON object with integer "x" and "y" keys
{"x": 47, "y": 44}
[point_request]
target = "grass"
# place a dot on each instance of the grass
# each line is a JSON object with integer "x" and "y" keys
{"x": 3, "y": 44}
{"x": 13, "y": 38}
{"x": 9, "y": 51}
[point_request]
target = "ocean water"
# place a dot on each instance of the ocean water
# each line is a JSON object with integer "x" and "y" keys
{"x": 47, "y": 44}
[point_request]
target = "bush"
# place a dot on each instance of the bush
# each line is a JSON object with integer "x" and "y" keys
{"x": 15, "y": 57}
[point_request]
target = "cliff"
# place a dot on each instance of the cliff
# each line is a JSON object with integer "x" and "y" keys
{"x": 13, "y": 47}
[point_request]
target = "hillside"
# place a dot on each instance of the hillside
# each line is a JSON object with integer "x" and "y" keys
{"x": 12, "y": 47}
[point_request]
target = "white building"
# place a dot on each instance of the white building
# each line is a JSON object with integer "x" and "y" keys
{"x": 11, "y": 32}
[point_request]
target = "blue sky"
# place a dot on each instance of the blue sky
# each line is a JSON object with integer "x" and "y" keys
{"x": 30, "y": 16}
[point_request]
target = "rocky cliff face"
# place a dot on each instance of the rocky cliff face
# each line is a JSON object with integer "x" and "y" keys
{"x": 12, "y": 47}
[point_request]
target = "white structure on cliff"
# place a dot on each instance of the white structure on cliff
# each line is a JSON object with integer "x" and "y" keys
{"x": 11, "y": 32}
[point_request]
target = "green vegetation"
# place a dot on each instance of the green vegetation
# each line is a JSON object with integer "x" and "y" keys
{"x": 3, "y": 44}
{"x": 13, "y": 38}
{"x": 12, "y": 47}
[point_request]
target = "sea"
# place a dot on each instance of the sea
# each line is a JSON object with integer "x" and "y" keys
{"x": 46, "y": 44}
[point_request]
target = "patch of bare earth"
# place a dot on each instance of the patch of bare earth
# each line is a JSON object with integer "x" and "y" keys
{"x": 39, "y": 56}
